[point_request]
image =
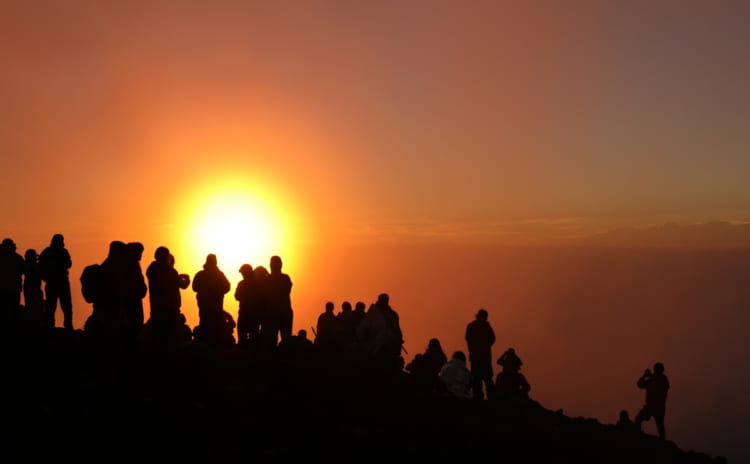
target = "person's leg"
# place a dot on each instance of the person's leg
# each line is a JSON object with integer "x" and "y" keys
{"x": 643, "y": 415}
{"x": 659, "y": 419}
{"x": 476, "y": 385}
{"x": 489, "y": 386}
{"x": 66, "y": 305}
{"x": 51, "y": 303}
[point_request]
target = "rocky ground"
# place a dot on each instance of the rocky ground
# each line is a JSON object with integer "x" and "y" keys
{"x": 201, "y": 406}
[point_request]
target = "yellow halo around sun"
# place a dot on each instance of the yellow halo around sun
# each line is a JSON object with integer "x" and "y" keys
{"x": 240, "y": 222}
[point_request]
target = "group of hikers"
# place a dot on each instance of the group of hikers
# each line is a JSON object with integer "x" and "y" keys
{"x": 358, "y": 335}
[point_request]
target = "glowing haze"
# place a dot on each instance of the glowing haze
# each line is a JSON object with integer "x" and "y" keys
{"x": 498, "y": 155}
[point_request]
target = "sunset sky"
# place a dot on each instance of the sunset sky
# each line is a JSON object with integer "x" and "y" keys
{"x": 434, "y": 150}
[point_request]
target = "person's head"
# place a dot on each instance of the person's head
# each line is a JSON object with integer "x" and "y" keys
{"x": 346, "y": 307}
{"x": 459, "y": 355}
{"x": 434, "y": 344}
{"x": 624, "y": 415}
{"x": 482, "y": 315}
{"x": 383, "y": 299}
{"x": 162, "y": 254}
{"x": 57, "y": 240}
{"x": 246, "y": 270}
{"x": 658, "y": 368}
{"x": 275, "y": 264}
{"x": 136, "y": 250}
{"x": 211, "y": 261}
{"x": 30, "y": 255}
{"x": 8, "y": 244}
{"x": 259, "y": 272}
{"x": 329, "y": 306}
{"x": 302, "y": 333}
{"x": 117, "y": 250}
{"x": 360, "y": 306}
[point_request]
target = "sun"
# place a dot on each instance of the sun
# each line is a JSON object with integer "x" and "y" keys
{"x": 238, "y": 220}
{"x": 237, "y": 230}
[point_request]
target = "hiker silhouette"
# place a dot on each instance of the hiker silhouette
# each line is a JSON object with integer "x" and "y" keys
{"x": 12, "y": 267}
{"x": 210, "y": 285}
{"x": 510, "y": 383}
{"x": 455, "y": 379}
{"x": 425, "y": 367}
{"x": 281, "y": 314}
{"x": 479, "y": 338}
{"x": 164, "y": 331}
{"x": 379, "y": 335}
{"x": 656, "y": 385}
{"x": 55, "y": 264}
{"x": 249, "y": 294}
{"x": 33, "y": 295}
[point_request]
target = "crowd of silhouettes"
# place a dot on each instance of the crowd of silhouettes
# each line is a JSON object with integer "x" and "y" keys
{"x": 357, "y": 338}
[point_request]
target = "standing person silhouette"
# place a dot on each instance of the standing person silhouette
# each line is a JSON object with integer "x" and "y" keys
{"x": 33, "y": 295}
{"x": 135, "y": 287}
{"x": 12, "y": 268}
{"x": 279, "y": 286}
{"x": 380, "y": 336}
{"x": 249, "y": 294}
{"x": 479, "y": 338}
{"x": 165, "y": 301}
{"x": 210, "y": 285}
{"x": 55, "y": 264}
{"x": 656, "y": 385}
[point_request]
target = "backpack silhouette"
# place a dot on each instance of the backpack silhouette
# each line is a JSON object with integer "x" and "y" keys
{"x": 91, "y": 281}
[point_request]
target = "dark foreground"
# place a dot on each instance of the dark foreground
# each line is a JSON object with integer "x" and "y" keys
{"x": 65, "y": 401}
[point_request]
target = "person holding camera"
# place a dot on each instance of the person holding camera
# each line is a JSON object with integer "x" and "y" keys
{"x": 656, "y": 385}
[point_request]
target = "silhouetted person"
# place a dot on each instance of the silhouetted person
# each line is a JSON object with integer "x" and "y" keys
{"x": 297, "y": 348}
{"x": 326, "y": 332}
{"x": 455, "y": 379}
{"x": 510, "y": 382}
{"x": 12, "y": 267}
{"x": 107, "y": 323}
{"x": 268, "y": 322}
{"x": 425, "y": 367}
{"x": 347, "y": 326}
{"x": 55, "y": 264}
{"x": 360, "y": 309}
{"x": 33, "y": 295}
{"x": 479, "y": 338}
{"x": 380, "y": 336}
{"x": 279, "y": 287}
{"x": 656, "y": 385}
{"x": 165, "y": 323}
{"x": 625, "y": 423}
{"x": 136, "y": 287}
{"x": 302, "y": 344}
{"x": 210, "y": 285}
{"x": 249, "y": 294}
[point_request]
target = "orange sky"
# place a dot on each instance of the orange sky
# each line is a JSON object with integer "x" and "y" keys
{"x": 402, "y": 149}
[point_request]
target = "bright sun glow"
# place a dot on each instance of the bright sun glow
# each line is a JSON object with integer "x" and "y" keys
{"x": 240, "y": 222}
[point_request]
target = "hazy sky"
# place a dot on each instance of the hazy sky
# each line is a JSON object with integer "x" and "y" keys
{"x": 357, "y": 129}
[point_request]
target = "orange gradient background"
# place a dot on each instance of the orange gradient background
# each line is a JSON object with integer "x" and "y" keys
{"x": 579, "y": 171}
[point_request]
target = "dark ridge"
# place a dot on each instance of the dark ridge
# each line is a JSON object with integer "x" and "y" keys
{"x": 65, "y": 399}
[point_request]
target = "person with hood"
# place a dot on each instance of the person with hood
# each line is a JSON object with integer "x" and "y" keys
{"x": 379, "y": 333}
{"x": 455, "y": 379}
